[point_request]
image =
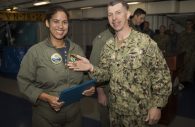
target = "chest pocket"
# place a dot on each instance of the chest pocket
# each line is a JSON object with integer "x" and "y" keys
{"x": 133, "y": 60}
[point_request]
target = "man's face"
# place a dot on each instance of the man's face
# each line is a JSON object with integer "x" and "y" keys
{"x": 118, "y": 17}
{"x": 139, "y": 19}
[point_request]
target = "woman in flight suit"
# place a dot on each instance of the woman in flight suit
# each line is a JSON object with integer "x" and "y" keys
{"x": 43, "y": 74}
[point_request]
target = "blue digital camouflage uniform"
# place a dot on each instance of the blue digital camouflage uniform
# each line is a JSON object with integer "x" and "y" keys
{"x": 139, "y": 79}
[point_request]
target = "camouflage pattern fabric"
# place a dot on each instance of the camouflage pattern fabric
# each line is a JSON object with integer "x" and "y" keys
{"x": 118, "y": 120}
{"x": 139, "y": 78}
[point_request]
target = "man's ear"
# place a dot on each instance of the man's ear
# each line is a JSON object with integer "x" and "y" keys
{"x": 128, "y": 14}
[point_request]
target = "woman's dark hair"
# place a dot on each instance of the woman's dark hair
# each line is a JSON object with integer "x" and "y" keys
{"x": 52, "y": 10}
{"x": 114, "y": 2}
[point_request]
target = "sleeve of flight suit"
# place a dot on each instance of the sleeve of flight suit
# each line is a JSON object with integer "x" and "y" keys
{"x": 95, "y": 53}
{"x": 101, "y": 72}
{"x": 161, "y": 86}
{"x": 27, "y": 76}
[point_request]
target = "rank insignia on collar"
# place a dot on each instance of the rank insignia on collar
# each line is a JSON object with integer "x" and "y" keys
{"x": 56, "y": 58}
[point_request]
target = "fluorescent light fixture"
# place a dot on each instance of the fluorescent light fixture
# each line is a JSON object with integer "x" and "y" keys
{"x": 15, "y": 8}
{"x": 131, "y": 3}
{"x": 84, "y": 8}
{"x": 39, "y": 3}
{"x": 8, "y": 9}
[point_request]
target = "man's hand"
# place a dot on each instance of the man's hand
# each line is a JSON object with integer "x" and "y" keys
{"x": 89, "y": 92}
{"x": 82, "y": 64}
{"x": 154, "y": 115}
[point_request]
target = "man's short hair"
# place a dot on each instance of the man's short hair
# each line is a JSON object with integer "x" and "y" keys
{"x": 139, "y": 11}
{"x": 114, "y": 2}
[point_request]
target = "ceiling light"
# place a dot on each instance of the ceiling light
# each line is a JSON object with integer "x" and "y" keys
{"x": 84, "y": 8}
{"x": 8, "y": 9}
{"x": 39, "y": 3}
{"x": 15, "y": 8}
{"x": 131, "y": 3}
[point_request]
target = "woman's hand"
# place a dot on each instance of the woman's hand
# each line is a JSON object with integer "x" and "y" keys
{"x": 53, "y": 101}
{"x": 82, "y": 64}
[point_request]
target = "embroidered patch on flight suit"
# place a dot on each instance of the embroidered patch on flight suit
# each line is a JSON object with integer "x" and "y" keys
{"x": 56, "y": 58}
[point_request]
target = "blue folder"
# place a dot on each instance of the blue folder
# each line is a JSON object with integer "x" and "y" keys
{"x": 74, "y": 94}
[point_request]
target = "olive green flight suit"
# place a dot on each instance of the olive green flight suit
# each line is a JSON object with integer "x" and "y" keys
{"x": 43, "y": 70}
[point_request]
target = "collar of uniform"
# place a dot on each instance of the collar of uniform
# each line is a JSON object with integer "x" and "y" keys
{"x": 132, "y": 38}
{"x": 72, "y": 45}
{"x": 111, "y": 43}
{"x": 128, "y": 41}
{"x": 48, "y": 41}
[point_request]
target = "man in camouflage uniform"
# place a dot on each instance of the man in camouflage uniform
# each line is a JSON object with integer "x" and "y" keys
{"x": 186, "y": 45}
{"x": 140, "y": 81}
{"x": 98, "y": 43}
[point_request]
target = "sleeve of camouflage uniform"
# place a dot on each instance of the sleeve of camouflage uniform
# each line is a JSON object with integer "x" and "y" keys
{"x": 26, "y": 77}
{"x": 161, "y": 85}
